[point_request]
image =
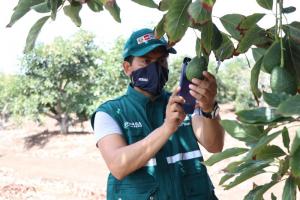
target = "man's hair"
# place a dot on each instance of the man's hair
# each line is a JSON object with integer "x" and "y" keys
{"x": 129, "y": 59}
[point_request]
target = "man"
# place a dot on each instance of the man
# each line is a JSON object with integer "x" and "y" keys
{"x": 148, "y": 142}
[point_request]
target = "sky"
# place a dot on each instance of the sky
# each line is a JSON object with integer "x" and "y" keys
{"x": 107, "y": 30}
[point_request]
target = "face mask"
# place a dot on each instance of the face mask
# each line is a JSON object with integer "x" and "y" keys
{"x": 151, "y": 78}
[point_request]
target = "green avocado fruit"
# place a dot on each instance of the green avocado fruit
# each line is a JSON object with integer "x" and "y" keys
{"x": 272, "y": 57}
{"x": 196, "y": 67}
{"x": 283, "y": 81}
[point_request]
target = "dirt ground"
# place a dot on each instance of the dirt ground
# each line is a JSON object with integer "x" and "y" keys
{"x": 38, "y": 163}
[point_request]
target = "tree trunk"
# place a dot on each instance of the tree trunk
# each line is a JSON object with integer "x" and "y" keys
{"x": 64, "y": 124}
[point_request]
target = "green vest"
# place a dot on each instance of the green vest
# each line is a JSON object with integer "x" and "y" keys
{"x": 176, "y": 171}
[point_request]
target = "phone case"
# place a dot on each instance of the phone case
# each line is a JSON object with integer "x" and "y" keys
{"x": 190, "y": 101}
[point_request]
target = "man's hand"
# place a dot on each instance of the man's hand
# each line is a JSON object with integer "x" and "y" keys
{"x": 174, "y": 112}
{"x": 204, "y": 91}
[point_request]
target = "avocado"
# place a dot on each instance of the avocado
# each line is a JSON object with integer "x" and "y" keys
{"x": 272, "y": 57}
{"x": 196, "y": 67}
{"x": 283, "y": 81}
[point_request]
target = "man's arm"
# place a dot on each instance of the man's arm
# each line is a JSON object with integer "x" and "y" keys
{"x": 122, "y": 159}
{"x": 208, "y": 132}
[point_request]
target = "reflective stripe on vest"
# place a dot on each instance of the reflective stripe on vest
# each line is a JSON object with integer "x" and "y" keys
{"x": 184, "y": 156}
{"x": 177, "y": 157}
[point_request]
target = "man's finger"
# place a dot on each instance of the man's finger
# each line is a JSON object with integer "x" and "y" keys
{"x": 209, "y": 76}
{"x": 175, "y": 91}
{"x": 176, "y": 99}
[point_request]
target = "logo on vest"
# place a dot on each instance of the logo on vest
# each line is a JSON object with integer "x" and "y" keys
{"x": 133, "y": 124}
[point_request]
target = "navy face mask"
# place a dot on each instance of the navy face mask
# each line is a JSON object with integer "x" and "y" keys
{"x": 151, "y": 78}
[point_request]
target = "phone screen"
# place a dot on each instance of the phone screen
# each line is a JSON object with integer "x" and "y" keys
{"x": 190, "y": 101}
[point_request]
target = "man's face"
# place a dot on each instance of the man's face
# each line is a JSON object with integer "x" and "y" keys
{"x": 159, "y": 55}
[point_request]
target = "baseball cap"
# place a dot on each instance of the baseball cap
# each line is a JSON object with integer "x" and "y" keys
{"x": 143, "y": 41}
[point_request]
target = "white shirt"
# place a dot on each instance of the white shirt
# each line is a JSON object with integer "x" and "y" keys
{"x": 105, "y": 125}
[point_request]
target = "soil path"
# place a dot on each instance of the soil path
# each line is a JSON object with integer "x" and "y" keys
{"x": 38, "y": 164}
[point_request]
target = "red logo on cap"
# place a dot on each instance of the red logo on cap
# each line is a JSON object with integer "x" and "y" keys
{"x": 145, "y": 38}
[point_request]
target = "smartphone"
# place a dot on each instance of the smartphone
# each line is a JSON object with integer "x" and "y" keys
{"x": 190, "y": 101}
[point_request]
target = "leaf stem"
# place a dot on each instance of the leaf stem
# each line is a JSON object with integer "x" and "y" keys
{"x": 276, "y": 24}
{"x": 280, "y": 32}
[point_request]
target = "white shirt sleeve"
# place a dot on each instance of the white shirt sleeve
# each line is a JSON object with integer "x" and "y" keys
{"x": 105, "y": 125}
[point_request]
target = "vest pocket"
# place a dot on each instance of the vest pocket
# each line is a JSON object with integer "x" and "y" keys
{"x": 196, "y": 187}
{"x": 136, "y": 192}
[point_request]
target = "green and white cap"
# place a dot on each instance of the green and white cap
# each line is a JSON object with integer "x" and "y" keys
{"x": 142, "y": 42}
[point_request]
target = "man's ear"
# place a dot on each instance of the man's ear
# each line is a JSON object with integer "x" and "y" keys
{"x": 127, "y": 68}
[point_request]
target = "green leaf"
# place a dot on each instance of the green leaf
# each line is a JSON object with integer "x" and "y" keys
{"x": 295, "y": 155}
{"x": 226, "y": 177}
{"x": 164, "y": 5}
{"x": 293, "y": 57}
{"x": 296, "y": 143}
{"x": 267, "y": 4}
{"x": 254, "y": 79}
{"x": 198, "y": 47}
{"x": 262, "y": 143}
{"x": 147, "y": 3}
{"x": 289, "y": 9}
{"x": 258, "y": 53}
{"x": 159, "y": 29}
{"x": 247, "y": 174}
{"x": 289, "y": 190}
{"x": 53, "y": 7}
{"x": 41, "y": 8}
{"x": 217, "y": 38}
{"x": 226, "y": 50}
{"x": 286, "y": 138}
{"x": 251, "y": 20}
{"x": 246, "y": 133}
{"x": 72, "y": 11}
{"x": 177, "y": 20}
{"x": 250, "y": 164}
{"x": 225, "y": 154}
{"x": 199, "y": 15}
{"x": 231, "y": 23}
{"x": 248, "y": 39}
{"x": 262, "y": 39}
{"x": 269, "y": 152}
{"x": 254, "y": 36}
{"x": 274, "y": 99}
{"x": 284, "y": 166}
{"x": 294, "y": 31}
{"x": 21, "y": 9}
{"x": 113, "y": 9}
{"x": 261, "y": 115}
{"x": 290, "y": 106}
{"x": 95, "y": 5}
{"x": 34, "y": 32}
{"x": 258, "y": 192}
{"x": 232, "y": 166}
{"x": 207, "y": 36}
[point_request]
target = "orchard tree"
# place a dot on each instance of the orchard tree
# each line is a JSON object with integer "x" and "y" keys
{"x": 60, "y": 78}
{"x": 276, "y": 51}
{"x": 10, "y": 88}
